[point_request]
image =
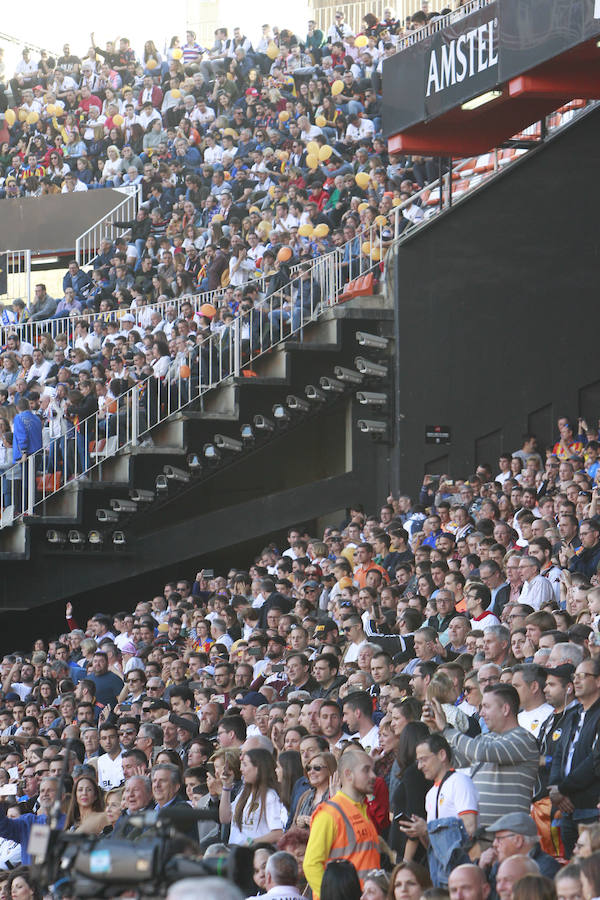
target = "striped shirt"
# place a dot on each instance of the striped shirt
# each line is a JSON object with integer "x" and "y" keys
{"x": 504, "y": 769}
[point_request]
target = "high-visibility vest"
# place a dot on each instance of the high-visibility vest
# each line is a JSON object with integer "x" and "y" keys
{"x": 356, "y": 837}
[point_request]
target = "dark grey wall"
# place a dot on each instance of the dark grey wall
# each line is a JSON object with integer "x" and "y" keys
{"x": 498, "y": 300}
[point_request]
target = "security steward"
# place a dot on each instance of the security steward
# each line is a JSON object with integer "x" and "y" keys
{"x": 340, "y": 827}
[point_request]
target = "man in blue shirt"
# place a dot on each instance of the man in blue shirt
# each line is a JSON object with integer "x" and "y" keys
{"x": 108, "y": 685}
{"x": 19, "y": 829}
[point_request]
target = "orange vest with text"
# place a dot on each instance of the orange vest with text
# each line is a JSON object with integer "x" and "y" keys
{"x": 356, "y": 837}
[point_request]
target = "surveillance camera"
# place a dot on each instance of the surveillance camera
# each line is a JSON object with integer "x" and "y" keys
{"x": 369, "y": 398}
{"x": 55, "y": 537}
{"x": 211, "y": 453}
{"x": 297, "y": 404}
{"x": 175, "y": 474}
{"x": 76, "y": 537}
{"x": 370, "y": 368}
{"x": 247, "y": 433}
{"x": 194, "y": 463}
{"x": 262, "y": 423}
{"x": 313, "y": 393}
{"x": 139, "y": 495}
{"x": 123, "y": 506}
{"x": 280, "y": 414}
{"x": 119, "y": 539}
{"x": 107, "y": 515}
{"x": 371, "y": 426}
{"x": 162, "y": 485}
{"x": 371, "y": 340}
{"x": 227, "y": 443}
{"x": 331, "y": 386}
{"x": 349, "y": 376}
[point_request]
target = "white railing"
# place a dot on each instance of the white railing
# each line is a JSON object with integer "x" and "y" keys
{"x": 419, "y": 34}
{"x": 74, "y": 448}
{"x": 18, "y": 276}
{"x": 87, "y": 245}
{"x": 355, "y": 11}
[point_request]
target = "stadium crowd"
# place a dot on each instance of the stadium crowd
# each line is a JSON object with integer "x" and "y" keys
{"x": 236, "y": 150}
{"x": 404, "y": 706}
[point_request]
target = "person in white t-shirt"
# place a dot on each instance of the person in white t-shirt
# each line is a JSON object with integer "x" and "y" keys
{"x": 358, "y": 718}
{"x": 529, "y": 681}
{"x": 257, "y": 813}
{"x": 453, "y": 795}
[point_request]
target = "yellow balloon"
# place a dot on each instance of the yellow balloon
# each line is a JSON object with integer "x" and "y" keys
{"x": 337, "y": 87}
{"x": 375, "y": 254}
{"x": 217, "y": 218}
{"x": 381, "y": 220}
{"x": 272, "y": 51}
{"x": 284, "y": 155}
{"x": 366, "y": 248}
{"x": 176, "y": 94}
{"x": 10, "y": 118}
{"x": 118, "y": 120}
{"x": 230, "y": 132}
{"x": 362, "y": 179}
{"x": 361, "y": 40}
{"x": 59, "y": 111}
{"x": 177, "y": 53}
{"x": 312, "y": 161}
{"x": 362, "y": 206}
{"x": 305, "y": 230}
{"x": 312, "y": 148}
{"x": 321, "y": 230}
{"x": 32, "y": 117}
{"x": 396, "y": 201}
{"x": 284, "y": 115}
{"x": 151, "y": 63}
{"x": 22, "y": 115}
{"x": 320, "y": 121}
{"x": 325, "y": 152}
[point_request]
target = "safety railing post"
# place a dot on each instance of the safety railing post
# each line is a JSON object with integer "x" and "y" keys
{"x": 30, "y": 466}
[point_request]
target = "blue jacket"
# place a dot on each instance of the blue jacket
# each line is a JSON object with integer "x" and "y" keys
{"x": 27, "y": 434}
{"x": 80, "y": 283}
{"x": 18, "y": 830}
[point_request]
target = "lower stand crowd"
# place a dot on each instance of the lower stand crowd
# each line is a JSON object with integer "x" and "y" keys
{"x": 404, "y": 707}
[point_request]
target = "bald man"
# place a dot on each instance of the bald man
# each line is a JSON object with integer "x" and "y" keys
{"x": 341, "y": 828}
{"x": 468, "y": 883}
{"x": 510, "y": 871}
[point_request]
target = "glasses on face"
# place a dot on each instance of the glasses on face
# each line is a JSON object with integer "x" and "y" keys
{"x": 347, "y": 628}
{"x": 314, "y": 768}
{"x": 127, "y": 731}
{"x": 502, "y": 837}
{"x": 583, "y": 675}
{"x": 491, "y": 680}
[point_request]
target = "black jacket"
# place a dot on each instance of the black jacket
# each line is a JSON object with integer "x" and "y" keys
{"x": 581, "y": 785}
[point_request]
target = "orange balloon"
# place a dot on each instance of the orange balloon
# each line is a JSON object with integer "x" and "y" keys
{"x": 184, "y": 372}
{"x": 112, "y": 406}
{"x": 208, "y": 310}
{"x": 284, "y": 254}
{"x": 284, "y": 115}
{"x": 118, "y": 120}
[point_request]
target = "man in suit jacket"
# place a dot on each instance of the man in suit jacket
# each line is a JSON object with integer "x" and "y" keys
{"x": 150, "y": 92}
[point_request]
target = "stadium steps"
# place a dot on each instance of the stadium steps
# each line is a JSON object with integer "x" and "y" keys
{"x": 284, "y": 370}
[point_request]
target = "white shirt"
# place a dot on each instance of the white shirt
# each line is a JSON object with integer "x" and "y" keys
{"x": 457, "y": 795}
{"x": 537, "y": 591}
{"x": 533, "y": 719}
{"x": 371, "y": 739}
{"x": 110, "y": 772}
{"x": 352, "y": 652}
{"x": 279, "y": 892}
{"x": 270, "y": 817}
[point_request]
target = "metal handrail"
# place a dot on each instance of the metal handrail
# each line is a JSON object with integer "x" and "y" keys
{"x": 419, "y": 34}
{"x": 88, "y": 243}
{"x": 77, "y": 448}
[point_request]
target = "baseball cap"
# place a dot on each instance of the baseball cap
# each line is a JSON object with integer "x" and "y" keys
{"x": 182, "y": 722}
{"x": 254, "y": 698}
{"x": 128, "y": 318}
{"x": 566, "y": 670}
{"x": 251, "y": 92}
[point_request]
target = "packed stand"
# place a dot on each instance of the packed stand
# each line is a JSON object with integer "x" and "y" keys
{"x": 237, "y": 151}
{"x": 406, "y": 705}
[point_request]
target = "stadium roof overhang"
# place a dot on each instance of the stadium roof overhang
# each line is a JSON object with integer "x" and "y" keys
{"x": 481, "y": 80}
